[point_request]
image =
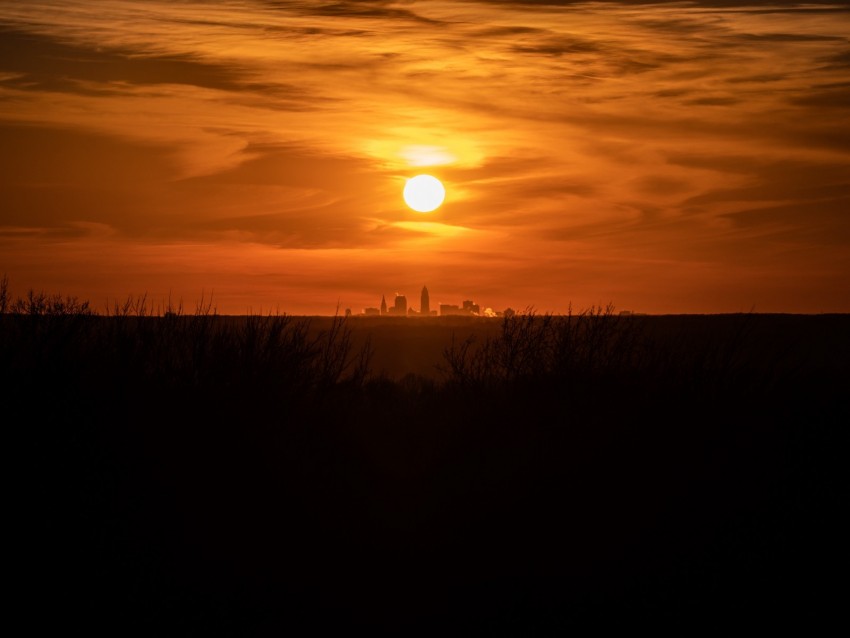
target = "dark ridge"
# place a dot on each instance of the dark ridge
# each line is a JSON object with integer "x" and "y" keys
{"x": 196, "y": 474}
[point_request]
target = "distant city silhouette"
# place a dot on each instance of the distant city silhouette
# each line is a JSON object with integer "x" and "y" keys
{"x": 468, "y": 308}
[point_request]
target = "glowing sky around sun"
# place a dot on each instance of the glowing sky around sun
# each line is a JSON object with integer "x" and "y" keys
{"x": 671, "y": 157}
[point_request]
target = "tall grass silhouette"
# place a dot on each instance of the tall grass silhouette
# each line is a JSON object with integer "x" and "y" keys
{"x": 252, "y": 475}
{"x": 132, "y": 343}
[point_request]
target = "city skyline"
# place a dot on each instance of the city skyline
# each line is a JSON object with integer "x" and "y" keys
{"x": 400, "y": 308}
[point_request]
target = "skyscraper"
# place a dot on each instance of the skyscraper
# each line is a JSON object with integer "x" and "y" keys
{"x": 425, "y": 303}
{"x": 383, "y": 305}
{"x": 400, "y": 305}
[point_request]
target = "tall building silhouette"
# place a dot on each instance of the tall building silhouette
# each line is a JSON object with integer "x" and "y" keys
{"x": 400, "y": 305}
{"x": 383, "y": 305}
{"x": 425, "y": 303}
{"x": 470, "y": 307}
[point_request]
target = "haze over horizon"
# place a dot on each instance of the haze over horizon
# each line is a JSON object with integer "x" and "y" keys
{"x": 688, "y": 157}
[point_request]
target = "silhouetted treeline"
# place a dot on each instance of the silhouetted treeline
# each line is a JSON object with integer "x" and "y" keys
{"x": 190, "y": 473}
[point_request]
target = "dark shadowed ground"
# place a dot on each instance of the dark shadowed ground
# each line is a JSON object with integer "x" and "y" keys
{"x": 207, "y": 475}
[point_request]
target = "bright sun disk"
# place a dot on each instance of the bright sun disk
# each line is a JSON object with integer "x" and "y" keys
{"x": 424, "y": 193}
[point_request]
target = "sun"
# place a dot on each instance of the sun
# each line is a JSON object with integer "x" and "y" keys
{"x": 424, "y": 193}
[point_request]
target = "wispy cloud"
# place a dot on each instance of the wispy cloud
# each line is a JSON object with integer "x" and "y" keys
{"x": 572, "y": 137}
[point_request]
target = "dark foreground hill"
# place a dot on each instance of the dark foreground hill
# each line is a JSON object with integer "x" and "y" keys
{"x": 200, "y": 475}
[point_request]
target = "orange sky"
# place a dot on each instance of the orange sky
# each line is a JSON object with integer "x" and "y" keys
{"x": 671, "y": 157}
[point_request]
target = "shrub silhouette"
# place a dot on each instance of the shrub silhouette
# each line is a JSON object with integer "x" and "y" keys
{"x": 535, "y": 347}
{"x": 133, "y": 345}
{"x": 212, "y": 472}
